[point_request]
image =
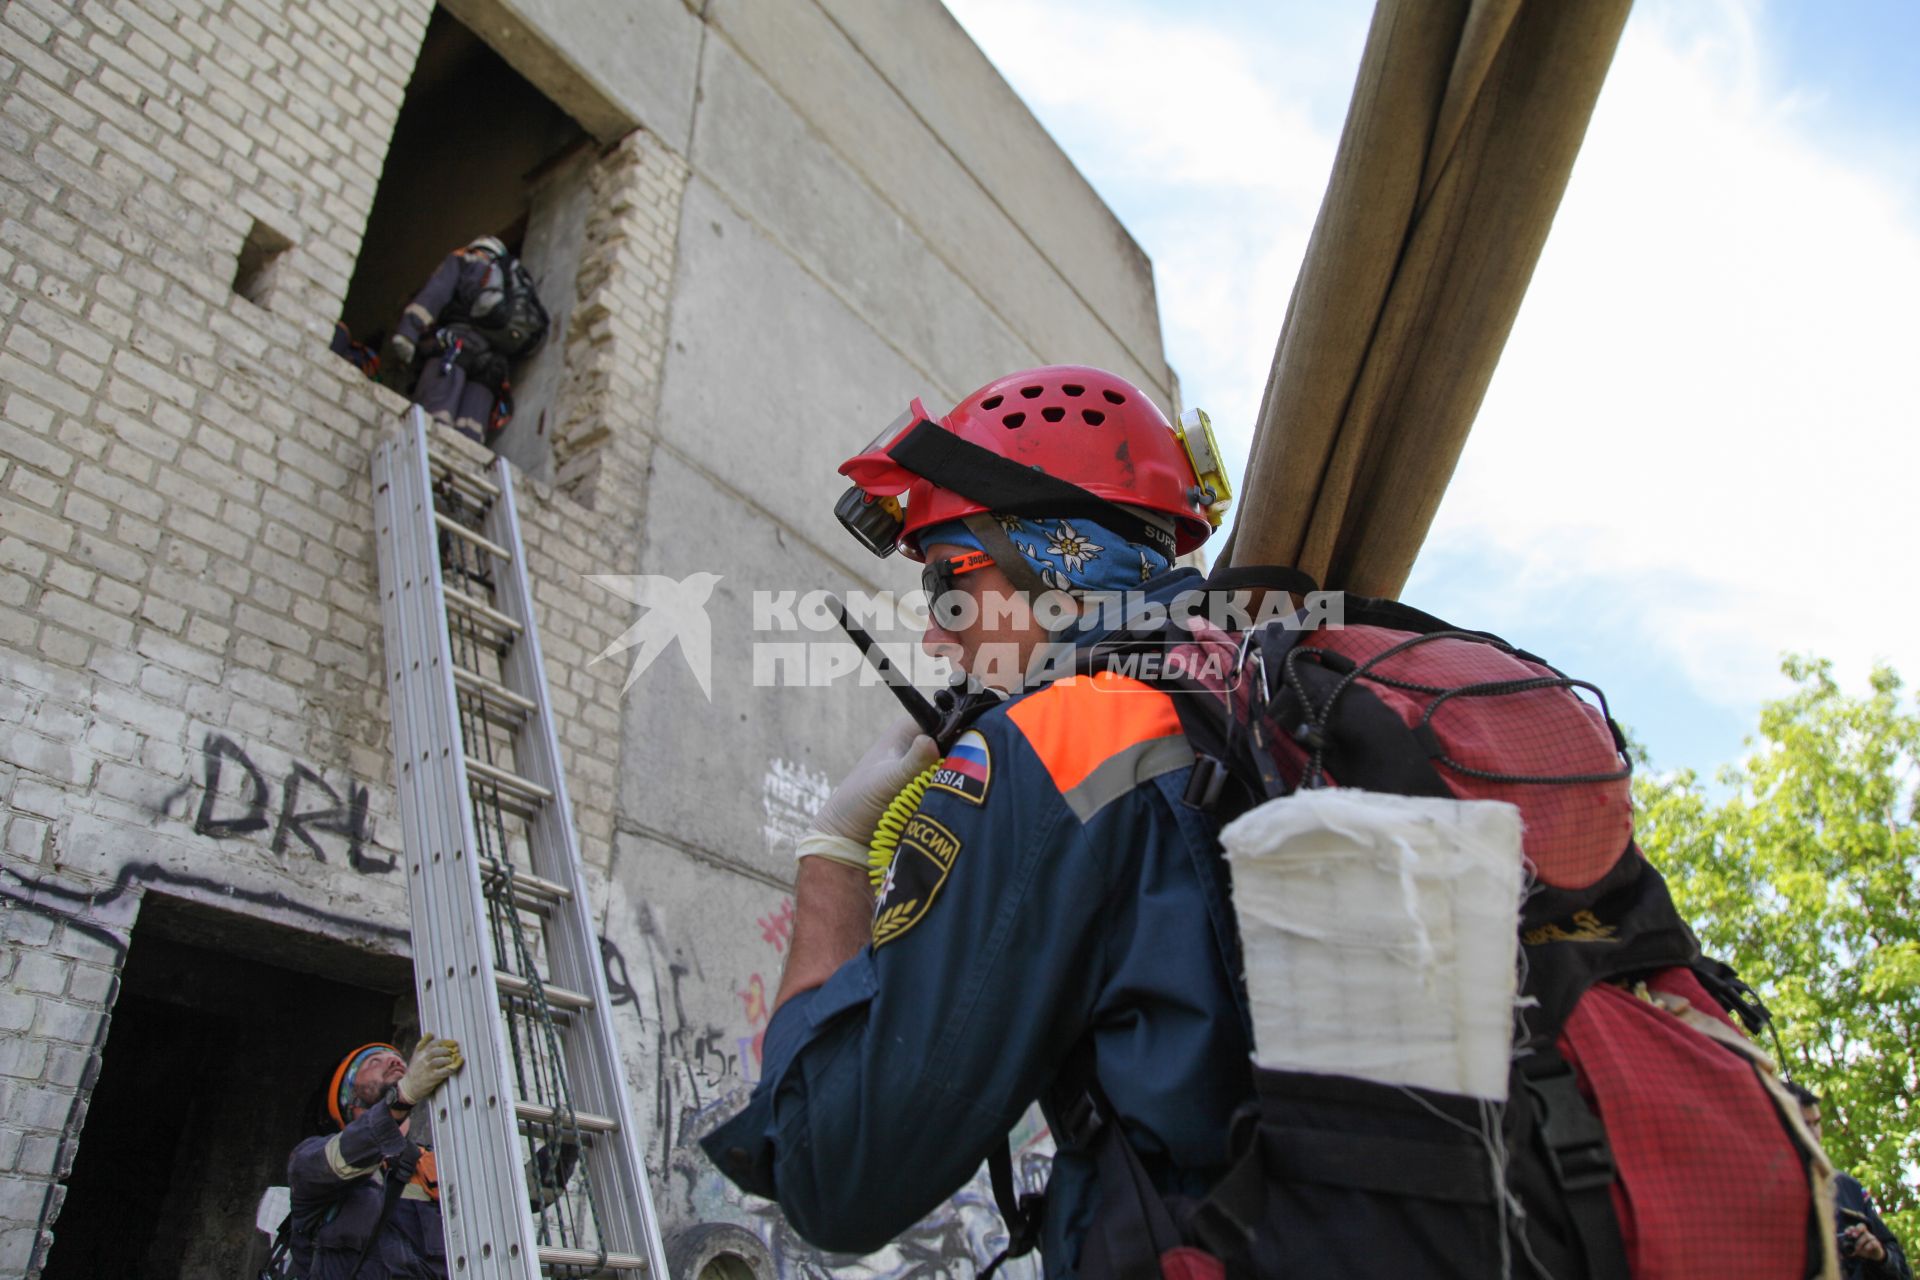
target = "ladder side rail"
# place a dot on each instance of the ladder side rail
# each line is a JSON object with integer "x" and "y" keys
{"x": 596, "y": 1075}
{"x": 483, "y": 1197}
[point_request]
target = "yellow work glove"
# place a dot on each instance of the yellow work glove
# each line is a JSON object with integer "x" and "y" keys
{"x": 433, "y": 1061}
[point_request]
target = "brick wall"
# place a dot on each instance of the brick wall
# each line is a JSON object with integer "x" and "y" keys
{"x": 189, "y": 626}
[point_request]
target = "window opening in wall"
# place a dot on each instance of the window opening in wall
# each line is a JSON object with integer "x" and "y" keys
{"x": 214, "y": 1066}
{"x": 473, "y": 158}
{"x": 253, "y": 273}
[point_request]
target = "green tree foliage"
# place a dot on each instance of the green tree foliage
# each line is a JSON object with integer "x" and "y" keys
{"x": 1800, "y": 868}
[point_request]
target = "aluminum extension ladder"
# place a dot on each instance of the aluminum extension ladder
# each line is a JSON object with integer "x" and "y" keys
{"x": 505, "y": 955}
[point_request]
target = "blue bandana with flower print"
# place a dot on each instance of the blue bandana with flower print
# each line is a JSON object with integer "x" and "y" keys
{"x": 1069, "y": 555}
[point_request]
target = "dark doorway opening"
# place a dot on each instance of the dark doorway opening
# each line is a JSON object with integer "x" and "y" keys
{"x": 473, "y": 153}
{"x": 214, "y": 1064}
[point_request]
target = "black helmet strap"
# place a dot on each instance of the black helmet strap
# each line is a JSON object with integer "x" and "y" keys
{"x": 1001, "y": 484}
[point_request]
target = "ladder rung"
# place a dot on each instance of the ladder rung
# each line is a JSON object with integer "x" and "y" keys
{"x": 510, "y": 781}
{"x": 462, "y": 477}
{"x": 492, "y": 690}
{"x": 552, "y": 1257}
{"x": 513, "y": 984}
{"x": 526, "y": 881}
{"x": 482, "y": 611}
{"x": 481, "y": 541}
{"x": 534, "y": 1113}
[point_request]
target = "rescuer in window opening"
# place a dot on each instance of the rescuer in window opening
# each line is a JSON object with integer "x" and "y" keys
{"x": 1039, "y": 917}
{"x": 477, "y": 314}
{"x": 367, "y": 1199}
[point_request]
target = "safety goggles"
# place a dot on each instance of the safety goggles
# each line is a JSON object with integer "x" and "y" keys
{"x": 938, "y": 579}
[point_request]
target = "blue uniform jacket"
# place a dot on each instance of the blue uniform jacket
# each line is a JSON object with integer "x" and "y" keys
{"x": 1850, "y": 1199}
{"x": 1050, "y": 893}
{"x": 337, "y": 1186}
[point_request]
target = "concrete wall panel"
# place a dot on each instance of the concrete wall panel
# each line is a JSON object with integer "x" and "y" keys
{"x": 729, "y": 778}
{"x": 925, "y": 56}
{"x": 614, "y": 65}
{"x": 775, "y": 376}
{"x": 856, "y": 113}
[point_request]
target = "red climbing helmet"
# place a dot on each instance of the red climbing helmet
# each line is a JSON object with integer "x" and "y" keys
{"x": 1099, "y": 434}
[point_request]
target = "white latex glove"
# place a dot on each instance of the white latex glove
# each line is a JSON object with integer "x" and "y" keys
{"x": 402, "y": 349}
{"x": 433, "y": 1061}
{"x": 853, "y": 810}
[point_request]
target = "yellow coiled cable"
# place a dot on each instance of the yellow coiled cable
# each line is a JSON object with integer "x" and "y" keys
{"x": 886, "y": 836}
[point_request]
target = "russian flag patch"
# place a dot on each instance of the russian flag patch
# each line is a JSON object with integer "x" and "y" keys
{"x": 967, "y": 769}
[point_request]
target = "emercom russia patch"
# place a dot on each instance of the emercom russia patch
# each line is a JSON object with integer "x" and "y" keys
{"x": 967, "y": 769}
{"x": 920, "y": 864}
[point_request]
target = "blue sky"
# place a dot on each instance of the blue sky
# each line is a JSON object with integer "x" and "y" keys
{"x": 1700, "y": 447}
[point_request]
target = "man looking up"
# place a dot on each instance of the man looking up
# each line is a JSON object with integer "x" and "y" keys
{"x": 365, "y": 1200}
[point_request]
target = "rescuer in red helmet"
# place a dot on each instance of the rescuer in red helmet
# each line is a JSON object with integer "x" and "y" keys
{"x": 366, "y": 1199}
{"x": 1043, "y": 920}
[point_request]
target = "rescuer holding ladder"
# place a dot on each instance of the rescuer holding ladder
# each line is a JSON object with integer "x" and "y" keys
{"x": 366, "y": 1201}
{"x": 1050, "y": 917}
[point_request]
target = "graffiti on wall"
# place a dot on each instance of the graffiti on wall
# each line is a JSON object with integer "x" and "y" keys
{"x": 236, "y": 801}
{"x": 790, "y": 795}
{"x": 701, "y": 1074}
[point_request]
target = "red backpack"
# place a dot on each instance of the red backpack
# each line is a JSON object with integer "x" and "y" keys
{"x": 1641, "y": 1136}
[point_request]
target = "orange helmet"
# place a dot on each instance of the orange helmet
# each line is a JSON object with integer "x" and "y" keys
{"x": 1058, "y": 441}
{"x": 340, "y": 1088}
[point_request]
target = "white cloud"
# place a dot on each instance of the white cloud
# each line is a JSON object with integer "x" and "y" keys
{"x": 1213, "y": 143}
{"x": 1711, "y": 378}
{"x": 1710, "y": 383}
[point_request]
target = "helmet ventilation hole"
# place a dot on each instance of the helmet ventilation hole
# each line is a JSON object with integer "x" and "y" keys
{"x": 1114, "y": 397}
{"x": 1031, "y": 393}
{"x": 991, "y": 402}
{"x": 1053, "y": 413}
{"x": 1013, "y": 420}
{"x": 1073, "y": 389}
{"x": 1093, "y": 416}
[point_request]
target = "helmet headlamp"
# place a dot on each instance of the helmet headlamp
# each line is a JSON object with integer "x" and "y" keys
{"x": 874, "y": 522}
{"x": 1203, "y": 451}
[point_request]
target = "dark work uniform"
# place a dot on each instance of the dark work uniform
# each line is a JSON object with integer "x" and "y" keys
{"x": 1850, "y": 1199}
{"x": 458, "y": 390}
{"x": 1050, "y": 894}
{"x": 337, "y": 1188}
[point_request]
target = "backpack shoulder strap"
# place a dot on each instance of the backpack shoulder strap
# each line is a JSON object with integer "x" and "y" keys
{"x": 1568, "y": 1143}
{"x": 1023, "y": 1214}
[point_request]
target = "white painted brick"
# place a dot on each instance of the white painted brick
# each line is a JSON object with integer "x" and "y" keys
{"x": 78, "y": 945}
{"x": 16, "y": 1015}
{"x": 38, "y": 1108}
{"x": 32, "y": 794}
{"x": 57, "y": 761}
{"x": 113, "y": 740}
{"x": 26, "y": 442}
{"x": 190, "y": 658}
{"x": 41, "y": 972}
{"x": 154, "y": 719}
{"x": 86, "y": 619}
{"x": 35, "y": 488}
{"x": 115, "y": 666}
{"x": 120, "y": 562}
{"x": 17, "y": 555}
{"x": 64, "y": 1021}
{"x": 26, "y": 838}
{"x": 92, "y": 984}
